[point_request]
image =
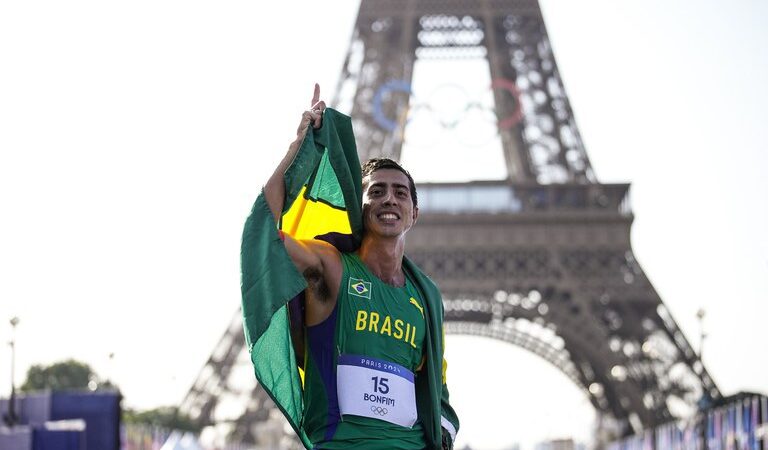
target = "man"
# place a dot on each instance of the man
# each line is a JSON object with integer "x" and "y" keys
{"x": 372, "y": 333}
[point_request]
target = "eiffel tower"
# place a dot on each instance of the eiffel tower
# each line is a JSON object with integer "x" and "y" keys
{"x": 541, "y": 259}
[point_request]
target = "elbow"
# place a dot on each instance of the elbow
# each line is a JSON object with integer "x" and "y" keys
{"x": 274, "y": 195}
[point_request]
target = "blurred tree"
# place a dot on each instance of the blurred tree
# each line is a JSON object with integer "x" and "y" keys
{"x": 69, "y": 374}
{"x": 164, "y": 416}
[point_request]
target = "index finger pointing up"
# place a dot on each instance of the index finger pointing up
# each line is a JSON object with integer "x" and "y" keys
{"x": 315, "y": 96}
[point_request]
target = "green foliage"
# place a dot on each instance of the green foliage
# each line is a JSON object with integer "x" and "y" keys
{"x": 164, "y": 416}
{"x": 69, "y": 374}
{"x": 63, "y": 375}
{"x": 72, "y": 374}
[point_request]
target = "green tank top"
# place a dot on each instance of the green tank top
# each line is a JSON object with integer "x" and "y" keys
{"x": 368, "y": 345}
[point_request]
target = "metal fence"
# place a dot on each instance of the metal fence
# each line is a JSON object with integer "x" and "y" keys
{"x": 741, "y": 424}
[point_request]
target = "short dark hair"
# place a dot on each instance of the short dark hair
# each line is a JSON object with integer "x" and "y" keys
{"x": 374, "y": 164}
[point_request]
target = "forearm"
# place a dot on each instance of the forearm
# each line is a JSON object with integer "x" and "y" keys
{"x": 274, "y": 189}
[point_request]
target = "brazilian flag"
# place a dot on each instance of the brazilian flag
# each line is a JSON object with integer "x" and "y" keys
{"x": 323, "y": 200}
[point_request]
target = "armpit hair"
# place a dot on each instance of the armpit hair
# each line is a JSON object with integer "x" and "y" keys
{"x": 317, "y": 285}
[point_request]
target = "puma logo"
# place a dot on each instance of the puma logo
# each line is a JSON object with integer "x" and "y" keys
{"x": 415, "y": 303}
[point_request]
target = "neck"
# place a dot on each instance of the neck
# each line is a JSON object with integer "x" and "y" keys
{"x": 384, "y": 257}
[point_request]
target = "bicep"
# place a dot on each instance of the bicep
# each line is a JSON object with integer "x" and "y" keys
{"x": 320, "y": 263}
{"x": 304, "y": 254}
{"x": 312, "y": 255}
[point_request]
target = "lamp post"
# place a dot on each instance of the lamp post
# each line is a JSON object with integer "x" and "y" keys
{"x": 702, "y": 334}
{"x": 705, "y": 401}
{"x": 11, "y": 419}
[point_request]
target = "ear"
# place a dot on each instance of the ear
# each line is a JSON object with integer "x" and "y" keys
{"x": 415, "y": 215}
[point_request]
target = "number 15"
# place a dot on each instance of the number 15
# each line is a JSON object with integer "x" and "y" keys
{"x": 380, "y": 385}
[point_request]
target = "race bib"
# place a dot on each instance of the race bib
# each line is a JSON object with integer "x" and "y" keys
{"x": 376, "y": 388}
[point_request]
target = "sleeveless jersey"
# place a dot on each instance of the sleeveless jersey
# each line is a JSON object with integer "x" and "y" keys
{"x": 357, "y": 364}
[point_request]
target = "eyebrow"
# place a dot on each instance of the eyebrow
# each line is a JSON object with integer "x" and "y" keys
{"x": 396, "y": 185}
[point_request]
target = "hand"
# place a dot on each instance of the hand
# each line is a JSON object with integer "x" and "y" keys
{"x": 446, "y": 444}
{"x": 274, "y": 190}
{"x": 314, "y": 116}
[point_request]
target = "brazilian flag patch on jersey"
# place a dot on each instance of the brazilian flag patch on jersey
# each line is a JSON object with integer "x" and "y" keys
{"x": 359, "y": 288}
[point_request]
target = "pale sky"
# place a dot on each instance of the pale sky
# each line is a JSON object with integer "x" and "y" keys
{"x": 135, "y": 136}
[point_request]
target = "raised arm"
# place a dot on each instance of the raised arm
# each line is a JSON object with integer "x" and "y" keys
{"x": 274, "y": 190}
{"x": 318, "y": 261}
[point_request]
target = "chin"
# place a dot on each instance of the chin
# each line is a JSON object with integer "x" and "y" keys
{"x": 387, "y": 232}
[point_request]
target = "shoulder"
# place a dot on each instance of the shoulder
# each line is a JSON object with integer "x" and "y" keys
{"x": 330, "y": 256}
{"x": 320, "y": 246}
{"x": 424, "y": 281}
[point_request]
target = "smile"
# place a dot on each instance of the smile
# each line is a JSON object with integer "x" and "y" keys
{"x": 388, "y": 216}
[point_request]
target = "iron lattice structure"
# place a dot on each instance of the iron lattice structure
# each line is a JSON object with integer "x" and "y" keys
{"x": 541, "y": 260}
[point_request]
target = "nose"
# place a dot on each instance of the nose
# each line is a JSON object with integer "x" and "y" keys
{"x": 389, "y": 197}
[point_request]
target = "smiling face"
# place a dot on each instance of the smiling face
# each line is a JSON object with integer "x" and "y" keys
{"x": 388, "y": 209}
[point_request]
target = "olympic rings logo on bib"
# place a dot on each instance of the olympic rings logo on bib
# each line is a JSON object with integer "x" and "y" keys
{"x": 376, "y": 388}
{"x": 378, "y": 410}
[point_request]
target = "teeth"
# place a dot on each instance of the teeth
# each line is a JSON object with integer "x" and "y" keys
{"x": 388, "y": 216}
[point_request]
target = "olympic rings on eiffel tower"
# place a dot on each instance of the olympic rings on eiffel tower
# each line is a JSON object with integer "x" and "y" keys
{"x": 472, "y": 120}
